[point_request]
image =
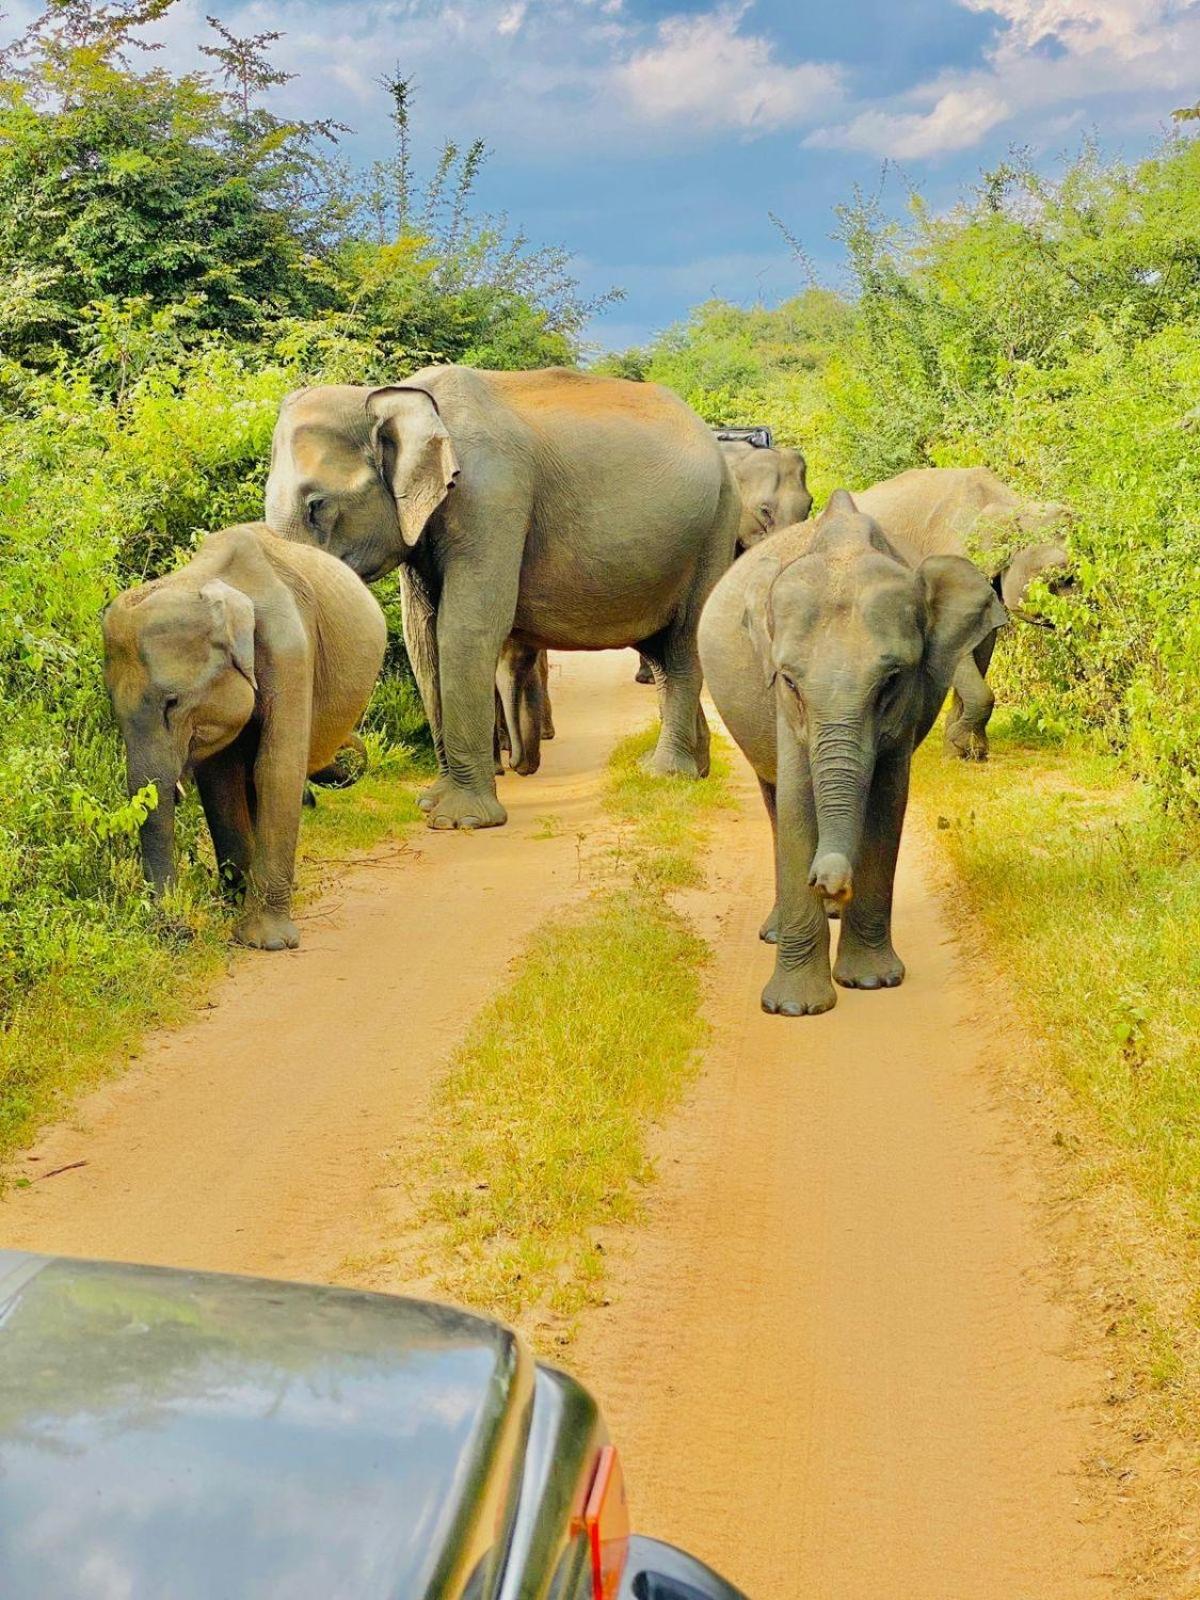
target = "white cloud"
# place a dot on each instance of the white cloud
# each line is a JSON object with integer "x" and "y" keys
{"x": 510, "y": 20}
{"x": 957, "y": 120}
{"x": 704, "y": 70}
{"x": 1049, "y": 60}
{"x": 1122, "y": 28}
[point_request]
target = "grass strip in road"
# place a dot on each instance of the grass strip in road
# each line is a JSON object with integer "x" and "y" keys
{"x": 1088, "y": 902}
{"x": 540, "y": 1132}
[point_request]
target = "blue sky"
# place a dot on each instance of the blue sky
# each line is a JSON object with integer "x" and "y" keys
{"x": 652, "y": 137}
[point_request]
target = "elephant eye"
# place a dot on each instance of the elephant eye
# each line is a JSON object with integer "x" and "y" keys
{"x": 169, "y": 705}
{"x": 790, "y": 682}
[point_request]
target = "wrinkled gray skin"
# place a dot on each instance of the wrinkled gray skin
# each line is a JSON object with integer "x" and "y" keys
{"x": 524, "y": 716}
{"x": 247, "y": 669}
{"x": 829, "y": 658}
{"x": 943, "y": 511}
{"x": 772, "y": 486}
{"x": 566, "y": 510}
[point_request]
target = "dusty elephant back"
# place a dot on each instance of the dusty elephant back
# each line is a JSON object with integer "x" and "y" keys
{"x": 349, "y": 636}
{"x": 629, "y": 496}
{"x": 933, "y": 509}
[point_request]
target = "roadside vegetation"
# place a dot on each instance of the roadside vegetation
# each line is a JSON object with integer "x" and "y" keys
{"x": 541, "y": 1127}
{"x": 1051, "y": 331}
{"x": 173, "y": 260}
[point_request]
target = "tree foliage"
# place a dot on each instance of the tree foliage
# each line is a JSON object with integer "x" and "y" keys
{"x": 175, "y": 257}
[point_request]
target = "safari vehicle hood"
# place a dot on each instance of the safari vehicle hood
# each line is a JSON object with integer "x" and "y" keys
{"x": 168, "y": 1433}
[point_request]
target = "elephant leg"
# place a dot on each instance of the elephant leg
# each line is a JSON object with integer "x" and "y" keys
{"x": 866, "y": 958}
{"x": 419, "y": 619}
{"x": 682, "y": 748}
{"x": 520, "y": 681}
{"x": 275, "y": 796}
{"x": 530, "y": 709}
{"x": 801, "y": 984}
{"x": 221, "y": 781}
{"x": 547, "y": 708}
{"x": 769, "y": 932}
{"x": 500, "y": 743}
{"x": 971, "y": 705}
{"x": 645, "y": 672}
{"x": 508, "y": 687}
{"x": 474, "y": 618}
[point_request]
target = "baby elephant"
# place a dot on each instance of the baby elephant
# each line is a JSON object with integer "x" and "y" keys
{"x": 248, "y": 668}
{"x": 829, "y": 658}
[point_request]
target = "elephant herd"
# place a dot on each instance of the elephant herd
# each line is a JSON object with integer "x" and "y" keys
{"x": 554, "y": 510}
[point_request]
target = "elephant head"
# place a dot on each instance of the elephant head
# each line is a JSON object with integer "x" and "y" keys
{"x": 179, "y": 664}
{"x": 359, "y": 471}
{"x": 1050, "y": 562}
{"x": 773, "y": 488}
{"x": 860, "y": 649}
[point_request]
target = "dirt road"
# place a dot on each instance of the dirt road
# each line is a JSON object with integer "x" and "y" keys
{"x": 258, "y": 1139}
{"x": 832, "y": 1357}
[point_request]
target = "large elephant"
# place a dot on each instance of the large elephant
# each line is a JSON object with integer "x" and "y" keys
{"x": 772, "y": 486}
{"x": 570, "y": 511}
{"x": 969, "y": 510}
{"x": 829, "y": 657}
{"x": 247, "y": 668}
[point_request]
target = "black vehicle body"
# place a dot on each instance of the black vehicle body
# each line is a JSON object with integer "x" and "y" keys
{"x": 183, "y": 1435}
{"x": 760, "y": 436}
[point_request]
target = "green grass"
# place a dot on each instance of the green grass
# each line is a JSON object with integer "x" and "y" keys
{"x": 120, "y": 975}
{"x": 1089, "y": 904}
{"x": 1091, "y": 900}
{"x": 540, "y": 1129}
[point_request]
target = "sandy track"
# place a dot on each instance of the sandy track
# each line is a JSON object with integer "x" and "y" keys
{"x": 832, "y": 1357}
{"x": 257, "y": 1139}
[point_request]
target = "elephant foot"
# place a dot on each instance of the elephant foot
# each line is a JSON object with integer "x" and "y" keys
{"x": 801, "y": 992}
{"x": 643, "y": 674}
{"x": 267, "y": 930}
{"x": 769, "y": 932}
{"x": 527, "y": 766}
{"x": 452, "y": 807}
{"x": 860, "y": 967}
{"x": 968, "y": 744}
{"x": 308, "y": 798}
{"x": 671, "y": 764}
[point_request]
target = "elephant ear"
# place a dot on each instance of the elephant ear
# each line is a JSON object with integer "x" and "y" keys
{"x": 232, "y": 615}
{"x": 758, "y": 619}
{"x": 961, "y": 609}
{"x": 414, "y": 453}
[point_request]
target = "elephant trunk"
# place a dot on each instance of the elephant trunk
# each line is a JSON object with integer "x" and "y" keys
{"x": 157, "y": 835}
{"x": 841, "y": 774}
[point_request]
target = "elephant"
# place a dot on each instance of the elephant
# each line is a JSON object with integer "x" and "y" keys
{"x": 934, "y": 511}
{"x": 246, "y": 669}
{"x": 567, "y": 510}
{"x": 523, "y": 710}
{"x": 772, "y": 486}
{"x": 828, "y": 657}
